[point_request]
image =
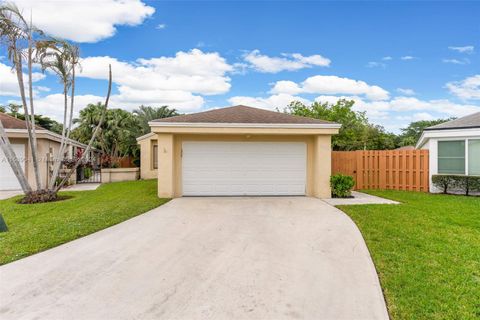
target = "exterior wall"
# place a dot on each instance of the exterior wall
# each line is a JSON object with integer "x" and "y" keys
{"x": 146, "y": 158}
{"x": 432, "y": 146}
{"x": 47, "y": 149}
{"x": 120, "y": 174}
{"x": 167, "y": 165}
{"x": 322, "y": 164}
{"x": 170, "y": 159}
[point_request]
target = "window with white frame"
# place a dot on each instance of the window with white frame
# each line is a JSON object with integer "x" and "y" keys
{"x": 451, "y": 157}
{"x": 474, "y": 157}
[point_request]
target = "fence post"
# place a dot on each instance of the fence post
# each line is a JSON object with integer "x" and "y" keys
{"x": 360, "y": 169}
{"x": 382, "y": 169}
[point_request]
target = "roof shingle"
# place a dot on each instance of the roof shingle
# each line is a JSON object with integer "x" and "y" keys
{"x": 470, "y": 121}
{"x": 10, "y": 122}
{"x": 242, "y": 114}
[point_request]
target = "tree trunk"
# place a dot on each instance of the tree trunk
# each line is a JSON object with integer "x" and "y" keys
{"x": 13, "y": 160}
{"x": 94, "y": 135}
{"x": 59, "y": 154}
{"x": 33, "y": 149}
{"x": 32, "y": 112}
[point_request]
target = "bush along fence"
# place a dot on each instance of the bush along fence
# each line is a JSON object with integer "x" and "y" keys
{"x": 456, "y": 183}
{"x": 384, "y": 169}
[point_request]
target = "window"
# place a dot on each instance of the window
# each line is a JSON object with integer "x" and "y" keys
{"x": 474, "y": 157}
{"x": 451, "y": 157}
{"x": 155, "y": 156}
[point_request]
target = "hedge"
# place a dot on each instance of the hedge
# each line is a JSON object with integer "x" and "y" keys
{"x": 466, "y": 184}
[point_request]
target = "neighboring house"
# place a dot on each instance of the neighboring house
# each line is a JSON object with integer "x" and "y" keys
{"x": 238, "y": 151}
{"x": 48, "y": 144}
{"x": 454, "y": 147}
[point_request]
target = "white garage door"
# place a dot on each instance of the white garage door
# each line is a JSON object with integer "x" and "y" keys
{"x": 244, "y": 168}
{"x": 8, "y": 180}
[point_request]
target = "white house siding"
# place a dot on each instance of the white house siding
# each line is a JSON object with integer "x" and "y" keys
{"x": 432, "y": 138}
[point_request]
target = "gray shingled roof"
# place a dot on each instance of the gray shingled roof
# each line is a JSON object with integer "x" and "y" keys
{"x": 242, "y": 114}
{"x": 470, "y": 121}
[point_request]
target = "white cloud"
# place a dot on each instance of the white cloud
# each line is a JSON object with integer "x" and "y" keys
{"x": 177, "y": 81}
{"x": 419, "y": 116}
{"x": 85, "y": 21}
{"x": 9, "y": 83}
{"x": 180, "y": 81}
{"x": 464, "y": 49}
{"x": 456, "y": 61}
{"x": 338, "y": 85}
{"x": 406, "y": 58}
{"x": 387, "y": 58}
{"x": 331, "y": 85}
{"x": 393, "y": 114}
{"x": 467, "y": 89}
{"x": 272, "y": 102}
{"x": 375, "y": 64}
{"x": 288, "y": 87}
{"x": 405, "y": 91}
{"x": 288, "y": 62}
{"x": 161, "y": 26}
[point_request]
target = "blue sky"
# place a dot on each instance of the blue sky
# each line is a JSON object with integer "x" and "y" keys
{"x": 400, "y": 61}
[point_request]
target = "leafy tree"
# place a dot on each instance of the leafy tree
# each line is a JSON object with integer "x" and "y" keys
{"x": 44, "y": 122}
{"x": 118, "y": 132}
{"x": 356, "y": 132}
{"x": 3, "y": 109}
{"x": 145, "y": 114}
{"x": 12, "y": 109}
{"x": 412, "y": 133}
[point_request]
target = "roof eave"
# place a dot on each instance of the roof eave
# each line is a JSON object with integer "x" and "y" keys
{"x": 145, "y": 136}
{"x": 246, "y": 125}
{"x": 52, "y": 135}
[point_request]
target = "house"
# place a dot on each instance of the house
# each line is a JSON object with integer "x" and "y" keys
{"x": 48, "y": 144}
{"x": 454, "y": 147}
{"x": 237, "y": 151}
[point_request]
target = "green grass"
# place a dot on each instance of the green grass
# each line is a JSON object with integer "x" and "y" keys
{"x": 37, "y": 227}
{"x": 426, "y": 251}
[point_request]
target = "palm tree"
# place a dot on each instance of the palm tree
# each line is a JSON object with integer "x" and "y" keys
{"x": 24, "y": 42}
{"x": 146, "y": 114}
{"x": 60, "y": 57}
{"x": 16, "y": 34}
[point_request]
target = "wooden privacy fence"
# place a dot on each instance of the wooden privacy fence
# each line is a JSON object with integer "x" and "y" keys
{"x": 385, "y": 169}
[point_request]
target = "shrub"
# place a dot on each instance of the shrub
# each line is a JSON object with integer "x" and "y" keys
{"x": 87, "y": 172}
{"x": 341, "y": 185}
{"x": 444, "y": 182}
{"x": 457, "y": 182}
{"x": 474, "y": 183}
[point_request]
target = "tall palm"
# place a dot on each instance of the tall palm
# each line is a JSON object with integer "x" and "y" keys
{"x": 16, "y": 35}
{"x": 62, "y": 58}
{"x": 146, "y": 114}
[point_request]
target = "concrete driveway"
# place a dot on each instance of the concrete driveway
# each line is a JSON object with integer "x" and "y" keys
{"x": 204, "y": 258}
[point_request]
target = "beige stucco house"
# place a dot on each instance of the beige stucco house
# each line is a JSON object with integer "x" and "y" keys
{"x": 238, "y": 151}
{"x": 48, "y": 144}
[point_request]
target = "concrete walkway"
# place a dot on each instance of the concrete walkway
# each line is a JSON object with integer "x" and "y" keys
{"x": 359, "y": 198}
{"x": 204, "y": 258}
{"x": 75, "y": 187}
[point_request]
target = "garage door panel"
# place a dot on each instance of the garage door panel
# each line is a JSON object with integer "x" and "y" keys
{"x": 8, "y": 180}
{"x": 244, "y": 168}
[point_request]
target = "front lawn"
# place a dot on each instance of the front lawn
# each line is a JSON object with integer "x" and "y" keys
{"x": 426, "y": 251}
{"x": 36, "y": 227}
